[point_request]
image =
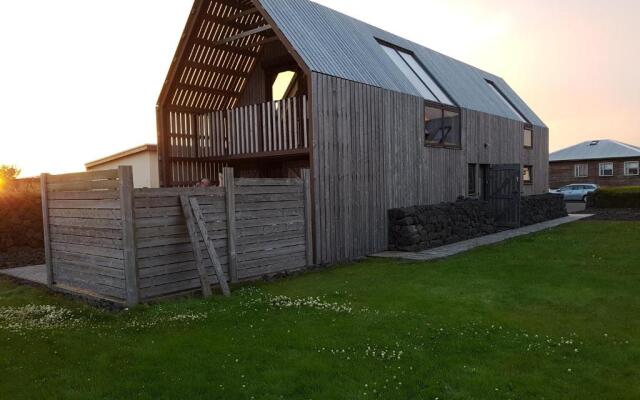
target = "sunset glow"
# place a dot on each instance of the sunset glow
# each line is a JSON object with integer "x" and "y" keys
{"x": 80, "y": 80}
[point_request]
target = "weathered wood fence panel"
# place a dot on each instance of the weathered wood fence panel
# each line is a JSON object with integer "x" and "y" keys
{"x": 165, "y": 255}
{"x": 133, "y": 245}
{"x": 85, "y": 235}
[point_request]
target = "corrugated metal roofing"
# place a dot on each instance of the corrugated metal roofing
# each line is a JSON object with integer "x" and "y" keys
{"x": 596, "y": 150}
{"x": 335, "y": 44}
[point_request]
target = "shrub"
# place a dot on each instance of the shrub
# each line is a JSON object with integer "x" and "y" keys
{"x": 20, "y": 220}
{"x": 620, "y": 197}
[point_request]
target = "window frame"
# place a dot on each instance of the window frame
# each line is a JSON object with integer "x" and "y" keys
{"x": 442, "y": 108}
{"x": 529, "y": 128}
{"x": 576, "y": 170}
{"x": 530, "y": 181}
{"x": 600, "y": 169}
{"x": 626, "y": 168}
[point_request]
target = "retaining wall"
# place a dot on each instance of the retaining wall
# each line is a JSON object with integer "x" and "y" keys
{"x": 425, "y": 227}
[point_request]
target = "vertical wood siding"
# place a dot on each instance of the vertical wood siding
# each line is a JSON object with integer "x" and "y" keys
{"x": 369, "y": 156}
{"x": 496, "y": 140}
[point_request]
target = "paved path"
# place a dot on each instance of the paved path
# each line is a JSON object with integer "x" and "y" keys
{"x": 461, "y": 247}
{"x": 35, "y": 274}
{"x": 575, "y": 207}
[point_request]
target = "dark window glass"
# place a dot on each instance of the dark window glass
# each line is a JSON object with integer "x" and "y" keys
{"x": 442, "y": 127}
{"x": 451, "y": 127}
{"x": 433, "y": 125}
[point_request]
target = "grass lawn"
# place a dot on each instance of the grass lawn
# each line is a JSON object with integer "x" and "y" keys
{"x": 550, "y": 316}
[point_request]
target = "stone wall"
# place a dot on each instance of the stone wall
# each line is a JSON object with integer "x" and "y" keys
{"x": 541, "y": 208}
{"x": 424, "y": 227}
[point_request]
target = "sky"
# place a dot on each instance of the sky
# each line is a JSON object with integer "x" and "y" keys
{"x": 79, "y": 79}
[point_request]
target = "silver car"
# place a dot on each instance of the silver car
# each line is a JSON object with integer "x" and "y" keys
{"x": 577, "y": 192}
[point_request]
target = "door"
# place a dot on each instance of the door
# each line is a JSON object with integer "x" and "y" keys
{"x": 504, "y": 194}
{"x": 484, "y": 182}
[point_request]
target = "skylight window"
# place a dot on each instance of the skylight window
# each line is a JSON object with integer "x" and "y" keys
{"x": 507, "y": 102}
{"x": 417, "y": 75}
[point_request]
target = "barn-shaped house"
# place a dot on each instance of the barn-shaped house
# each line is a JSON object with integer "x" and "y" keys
{"x": 271, "y": 87}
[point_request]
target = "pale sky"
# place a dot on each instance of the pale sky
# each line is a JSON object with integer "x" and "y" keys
{"x": 79, "y": 79}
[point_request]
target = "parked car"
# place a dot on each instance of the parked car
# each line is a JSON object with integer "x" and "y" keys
{"x": 577, "y": 192}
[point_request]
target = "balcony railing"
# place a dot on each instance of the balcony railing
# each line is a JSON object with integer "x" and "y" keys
{"x": 273, "y": 127}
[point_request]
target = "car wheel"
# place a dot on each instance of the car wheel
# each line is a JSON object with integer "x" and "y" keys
{"x": 584, "y": 199}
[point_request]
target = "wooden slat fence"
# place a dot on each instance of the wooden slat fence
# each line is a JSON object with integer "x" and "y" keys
{"x": 264, "y": 223}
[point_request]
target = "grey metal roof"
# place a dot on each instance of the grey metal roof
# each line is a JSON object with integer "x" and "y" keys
{"x": 596, "y": 150}
{"x": 335, "y": 44}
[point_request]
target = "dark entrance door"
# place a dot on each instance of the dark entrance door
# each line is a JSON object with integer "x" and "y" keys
{"x": 504, "y": 194}
{"x": 484, "y": 182}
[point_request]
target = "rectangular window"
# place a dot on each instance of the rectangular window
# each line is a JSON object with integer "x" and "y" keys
{"x": 471, "y": 175}
{"x": 632, "y": 168}
{"x": 442, "y": 127}
{"x": 528, "y": 137}
{"x": 606, "y": 169}
{"x": 507, "y": 102}
{"x": 417, "y": 75}
{"x": 581, "y": 170}
{"x": 527, "y": 175}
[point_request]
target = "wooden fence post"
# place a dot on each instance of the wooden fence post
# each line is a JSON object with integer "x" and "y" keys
{"x": 45, "y": 228}
{"x": 306, "y": 181}
{"x": 230, "y": 192}
{"x": 125, "y": 177}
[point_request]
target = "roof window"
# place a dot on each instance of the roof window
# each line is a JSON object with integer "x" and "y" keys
{"x": 417, "y": 75}
{"x": 507, "y": 102}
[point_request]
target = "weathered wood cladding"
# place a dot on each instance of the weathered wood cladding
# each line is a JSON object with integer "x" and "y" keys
{"x": 369, "y": 156}
{"x": 490, "y": 139}
{"x": 90, "y": 249}
{"x": 255, "y": 91}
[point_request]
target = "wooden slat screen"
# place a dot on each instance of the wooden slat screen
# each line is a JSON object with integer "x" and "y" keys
{"x": 198, "y": 144}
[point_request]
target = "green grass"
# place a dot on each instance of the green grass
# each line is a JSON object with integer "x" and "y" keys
{"x": 550, "y": 316}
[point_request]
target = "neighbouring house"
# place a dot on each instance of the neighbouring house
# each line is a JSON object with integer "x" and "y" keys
{"x": 270, "y": 87}
{"x": 143, "y": 159}
{"x": 602, "y": 162}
